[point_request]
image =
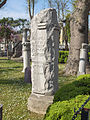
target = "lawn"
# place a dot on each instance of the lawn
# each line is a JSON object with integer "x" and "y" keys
{"x": 14, "y": 93}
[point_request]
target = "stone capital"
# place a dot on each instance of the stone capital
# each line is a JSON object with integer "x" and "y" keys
{"x": 84, "y": 46}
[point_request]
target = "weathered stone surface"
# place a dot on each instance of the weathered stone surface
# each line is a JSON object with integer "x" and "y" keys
{"x": 39, "y": 103}
{"x": 24, "y": 38}
{"x": 88, "y": 69}
{"x": 17, "y": 50}
{"x": 83, "y": 59}
{"x": 25, "y": 50}
{"x": 26, "y": 55}
{"x": 44, "y": 54}
{"x": 27, "y": 76}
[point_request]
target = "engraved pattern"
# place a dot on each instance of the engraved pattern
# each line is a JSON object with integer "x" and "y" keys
{"x": 44, "y": 52}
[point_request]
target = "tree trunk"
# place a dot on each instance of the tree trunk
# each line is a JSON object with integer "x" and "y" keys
{"x": 33, "y": 2}
{"x": 2, "y": 3}
{"x": 78, "y": 27}
{"x": 29, "y": 9}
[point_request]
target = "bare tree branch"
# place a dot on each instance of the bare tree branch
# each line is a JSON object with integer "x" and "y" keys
{"x": 2, "y": 3}
{"x": 29, "y": 8}
{"x": 31, "y": 4}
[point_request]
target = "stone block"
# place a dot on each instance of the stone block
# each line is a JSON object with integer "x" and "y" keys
{"x": 39, "y": 103}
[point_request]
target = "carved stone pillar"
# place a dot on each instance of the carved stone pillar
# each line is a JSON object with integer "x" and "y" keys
{"x": 44, "y": 55}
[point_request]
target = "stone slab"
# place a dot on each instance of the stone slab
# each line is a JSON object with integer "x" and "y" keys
{"x": 27, "y": 75}
{"x": 39, "y": 103}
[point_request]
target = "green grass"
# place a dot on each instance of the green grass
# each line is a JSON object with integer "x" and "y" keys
{"x": 14, "y": 93}
{"x": 62, "y": 79}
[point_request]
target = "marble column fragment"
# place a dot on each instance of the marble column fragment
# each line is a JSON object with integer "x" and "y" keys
{"x": 26, "y": 57}
{"x": 83, "y": 59}
{"x": 44, "y": 54}
{"x": 25, "y": 50}
{"x": 24, "y": 38}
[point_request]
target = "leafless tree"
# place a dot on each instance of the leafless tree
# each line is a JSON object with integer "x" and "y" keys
{"x": 61, "y": 6}
{"x": 31, "y": 4}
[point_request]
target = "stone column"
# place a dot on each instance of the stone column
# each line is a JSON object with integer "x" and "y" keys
{"x": 26, "y": 55}
{"x": 83, "y": 59}
{"x": 24, "y": 39}
{"x": 44, "y": 55}
{"x": 25, "y": 50}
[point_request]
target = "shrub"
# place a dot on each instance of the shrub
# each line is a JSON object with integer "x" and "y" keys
{"x": 68, "y": 97}
{"x": 63, "y": 55}
{"x": 79, "y": 87}
{"x": 64, "y": 110}
{"x": 83, "y": 77}
{"x": 89, "y": 55}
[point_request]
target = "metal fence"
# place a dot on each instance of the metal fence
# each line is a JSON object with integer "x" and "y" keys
{"x": 85, "y": 115}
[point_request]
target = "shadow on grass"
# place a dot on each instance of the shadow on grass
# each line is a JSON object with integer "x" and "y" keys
{"x": 17, "y": 82}
{"x": 6, "y": 61}
{"x": 3, "y": 58}
{"x": 10, "y": 67}
{"x": 7, "y": 70}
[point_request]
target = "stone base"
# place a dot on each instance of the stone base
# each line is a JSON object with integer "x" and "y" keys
{"x": 88, "y": 69}
{"x": 39, "y": 103}
{"x": 80, "y": 73}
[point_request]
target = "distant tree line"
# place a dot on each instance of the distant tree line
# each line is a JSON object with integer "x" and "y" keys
{"x": 10, "y": 27}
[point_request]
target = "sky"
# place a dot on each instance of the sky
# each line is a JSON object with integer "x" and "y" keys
{"x": 18, "y": 8}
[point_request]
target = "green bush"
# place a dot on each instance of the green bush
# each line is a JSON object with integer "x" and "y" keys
{"x": 79, "y": 87}
{"x": 83, "y": 77}
{"x": 63, "y": 55}
{"x": 68, "y": 97}
{"x": 89, "y": 55}
{"x": 64, "y": 110}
